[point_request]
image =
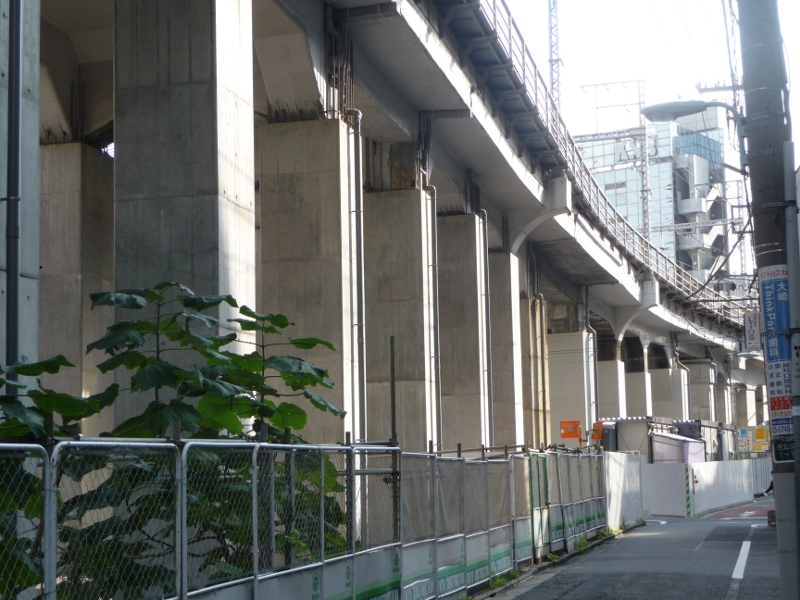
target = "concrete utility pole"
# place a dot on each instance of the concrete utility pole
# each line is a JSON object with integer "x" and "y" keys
{"x": 774, "y": 206}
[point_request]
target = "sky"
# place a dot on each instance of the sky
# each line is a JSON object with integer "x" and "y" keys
{"x": 672, "y": 45}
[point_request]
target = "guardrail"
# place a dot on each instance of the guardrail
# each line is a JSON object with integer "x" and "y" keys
{"x": 605, "y": 215}
{"x": 123, "y": 519}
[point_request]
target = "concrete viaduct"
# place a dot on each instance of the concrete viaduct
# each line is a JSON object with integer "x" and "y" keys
{"x": 461, "y": 220}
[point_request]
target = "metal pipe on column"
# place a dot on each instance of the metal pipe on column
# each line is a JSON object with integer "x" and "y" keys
{"x": 437, "y": 350}
{"x": 13, "y": 187}
{"x": 488, "y": 309}
{"x": 360, "y": 316}
{"x": 596, "y": 386}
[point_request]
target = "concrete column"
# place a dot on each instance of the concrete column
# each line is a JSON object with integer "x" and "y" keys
{"x": 702, "y": 380}
{"x": 308, "y": 262}
{"x": 724, "y": 408}
{"x": 746, "y": 414}
{"x": 638, "y": 394}
{"x": 398, "y": 273}
{"x": 669, "y": 388}
{"x": 77, "y": 258}
{"x": 507, "y": 379}
{"x": 571, "y": 380}
{"x": 183, "y": 124}
{"x": 613, "y": 393}
{"x": 535, "y": 386}
{"x": 462, "y": 322}
{"x": 29, "y": 182}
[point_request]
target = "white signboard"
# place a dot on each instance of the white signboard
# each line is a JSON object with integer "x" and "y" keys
{"x": 752, "y": 331}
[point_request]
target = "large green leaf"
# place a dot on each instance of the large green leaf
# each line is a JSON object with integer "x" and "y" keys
{"x": 290, "y": 364}
{"x": 122, "y": 298}
{"x": 117, "y": 340}
{"x": 162, "y": 416}
{"x": 133, "y": 428}
{"x": 190, "y": 316}
{"x": 289, "y": 415}
{"x": 130, "y": 360}
{"x": 19, "y": 571}
{"x": 323, "y": 404}
{"x": 225, "y": 413}
{"x": 157, "y": 374}
{"x": 308, "y": 343}
{"x": 217, "y": 387}
{"x": 252, "y": 362}
{"x": 51, "y": 365}
{"x": 250, "y": 325}
{"x": 280, "y": 321}
{"x": 14, "y": 409}
{"x": 204, "y": 302}
{"x": 107, "y": 396}
{"x": 68, "y": 406}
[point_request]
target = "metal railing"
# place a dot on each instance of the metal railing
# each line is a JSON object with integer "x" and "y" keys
{"x": 102, "y": 519}
{"x": 603, "y": 213}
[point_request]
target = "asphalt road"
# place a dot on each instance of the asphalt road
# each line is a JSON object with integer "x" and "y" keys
{"x": 703, "y": 559}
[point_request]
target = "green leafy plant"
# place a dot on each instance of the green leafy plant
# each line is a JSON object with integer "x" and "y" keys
{"x": 552, "y": 557}
{"x": 497, "y": 581}
{"x": 196, "y": 387}
{"x": 581, "y": 544}
{"x": 602, "y": 534}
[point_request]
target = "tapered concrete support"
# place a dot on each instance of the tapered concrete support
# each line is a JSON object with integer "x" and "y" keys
{"x": 613, "y": 390}
{"x": 571, "y": 375}
{"x": 462, "y": 322}
{"x": 702, "y": 380}
{"x": 670, "y": 388}
{"x": 308, "y": 262}
{"x": 29, "y": 182}
{"x": 398, "y": 273}
{"x": 724, "y": 405}
{"x": 183, "y": 125}
{"x": 746, "y": 415}
{"x": 535, "y": 380}
{"x": 77, "y": 258}
{"x": 507, "y": 374}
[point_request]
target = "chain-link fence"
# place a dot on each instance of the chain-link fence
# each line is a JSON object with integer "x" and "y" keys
{"x": 23, "y": 536}
{"x": 128, "y": 520}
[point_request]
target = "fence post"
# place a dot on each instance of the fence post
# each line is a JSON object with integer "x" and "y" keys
{"x": 256, "y": 560}
{"x": 321, "y": 523}
{"x": 512, "y": 507}
{"x": 435, "y": 494}
{"x": 271, "y": 508}
{"x": 181, "y": 526}
{"x": 49, "y": 516}
{"x": 488, "y": 517}
{"x": 292, "y": 504}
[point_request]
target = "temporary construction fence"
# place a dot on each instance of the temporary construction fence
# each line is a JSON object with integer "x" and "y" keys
{"x": 155, "y": 519}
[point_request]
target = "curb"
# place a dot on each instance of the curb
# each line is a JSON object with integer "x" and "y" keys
{"x": 536, "y": 569}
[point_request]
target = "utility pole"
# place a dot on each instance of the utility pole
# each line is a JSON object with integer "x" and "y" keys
{"x": 776, "y": 250}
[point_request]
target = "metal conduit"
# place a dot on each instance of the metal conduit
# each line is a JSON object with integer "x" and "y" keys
{"x": 488, "y": 309}
{"x": 437, "y": 351}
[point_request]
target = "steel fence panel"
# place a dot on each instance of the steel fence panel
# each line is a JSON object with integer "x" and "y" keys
{"x": 417, "y": 498}
{"x": 219, "y": 513}
{"x": 450, "y": 496}
{"x": 521, "y": 472}
{"x": 499, "y": 500}
{"x": 477, "y": 497}
{"x": 117, "y": 526}
{"x": 377, "y": 493}
{"x": 24, "y": 562}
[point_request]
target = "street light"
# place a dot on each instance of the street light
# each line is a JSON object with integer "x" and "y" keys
{"x": 670, "y": 111}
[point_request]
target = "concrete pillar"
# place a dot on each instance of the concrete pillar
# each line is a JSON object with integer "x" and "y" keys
{"x": 535, "y": 381}
{"x": 308, "y": 262}
{"x": 398, "y": 273}
{"x": 638, "y": 388}
{"x": 507, "y": 379}
{"x": 183, "y": 125}
{"x": 571, "y": 381}
{"x": 462, "y": 323}
{"x": 724, "y": 408}
{"x": 669, "y": 388}
{"x": 29, "y": 182}
{"x": 746, "y": 414}
{"x": 77, "y": 258}
{"x": 702, "y": 380}
{"x": 613, "y": 392}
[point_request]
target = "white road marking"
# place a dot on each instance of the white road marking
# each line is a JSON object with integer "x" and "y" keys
{"x": 757, "y": 525}
{"x": 698, "y": 547}
{"x": 738, "y": 570}
{"x": 657, "y": 522}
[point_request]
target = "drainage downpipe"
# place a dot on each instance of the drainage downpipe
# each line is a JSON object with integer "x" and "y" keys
{"x": 12, "y": 188}
{"x": 488, "y": 309}
{"x": 360, "y": 317}
{"x": 437, "y": 350}
{"x": 683, "y": 367}
{"x": 596, "y": 385}
{"x": 543, "y": 362}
